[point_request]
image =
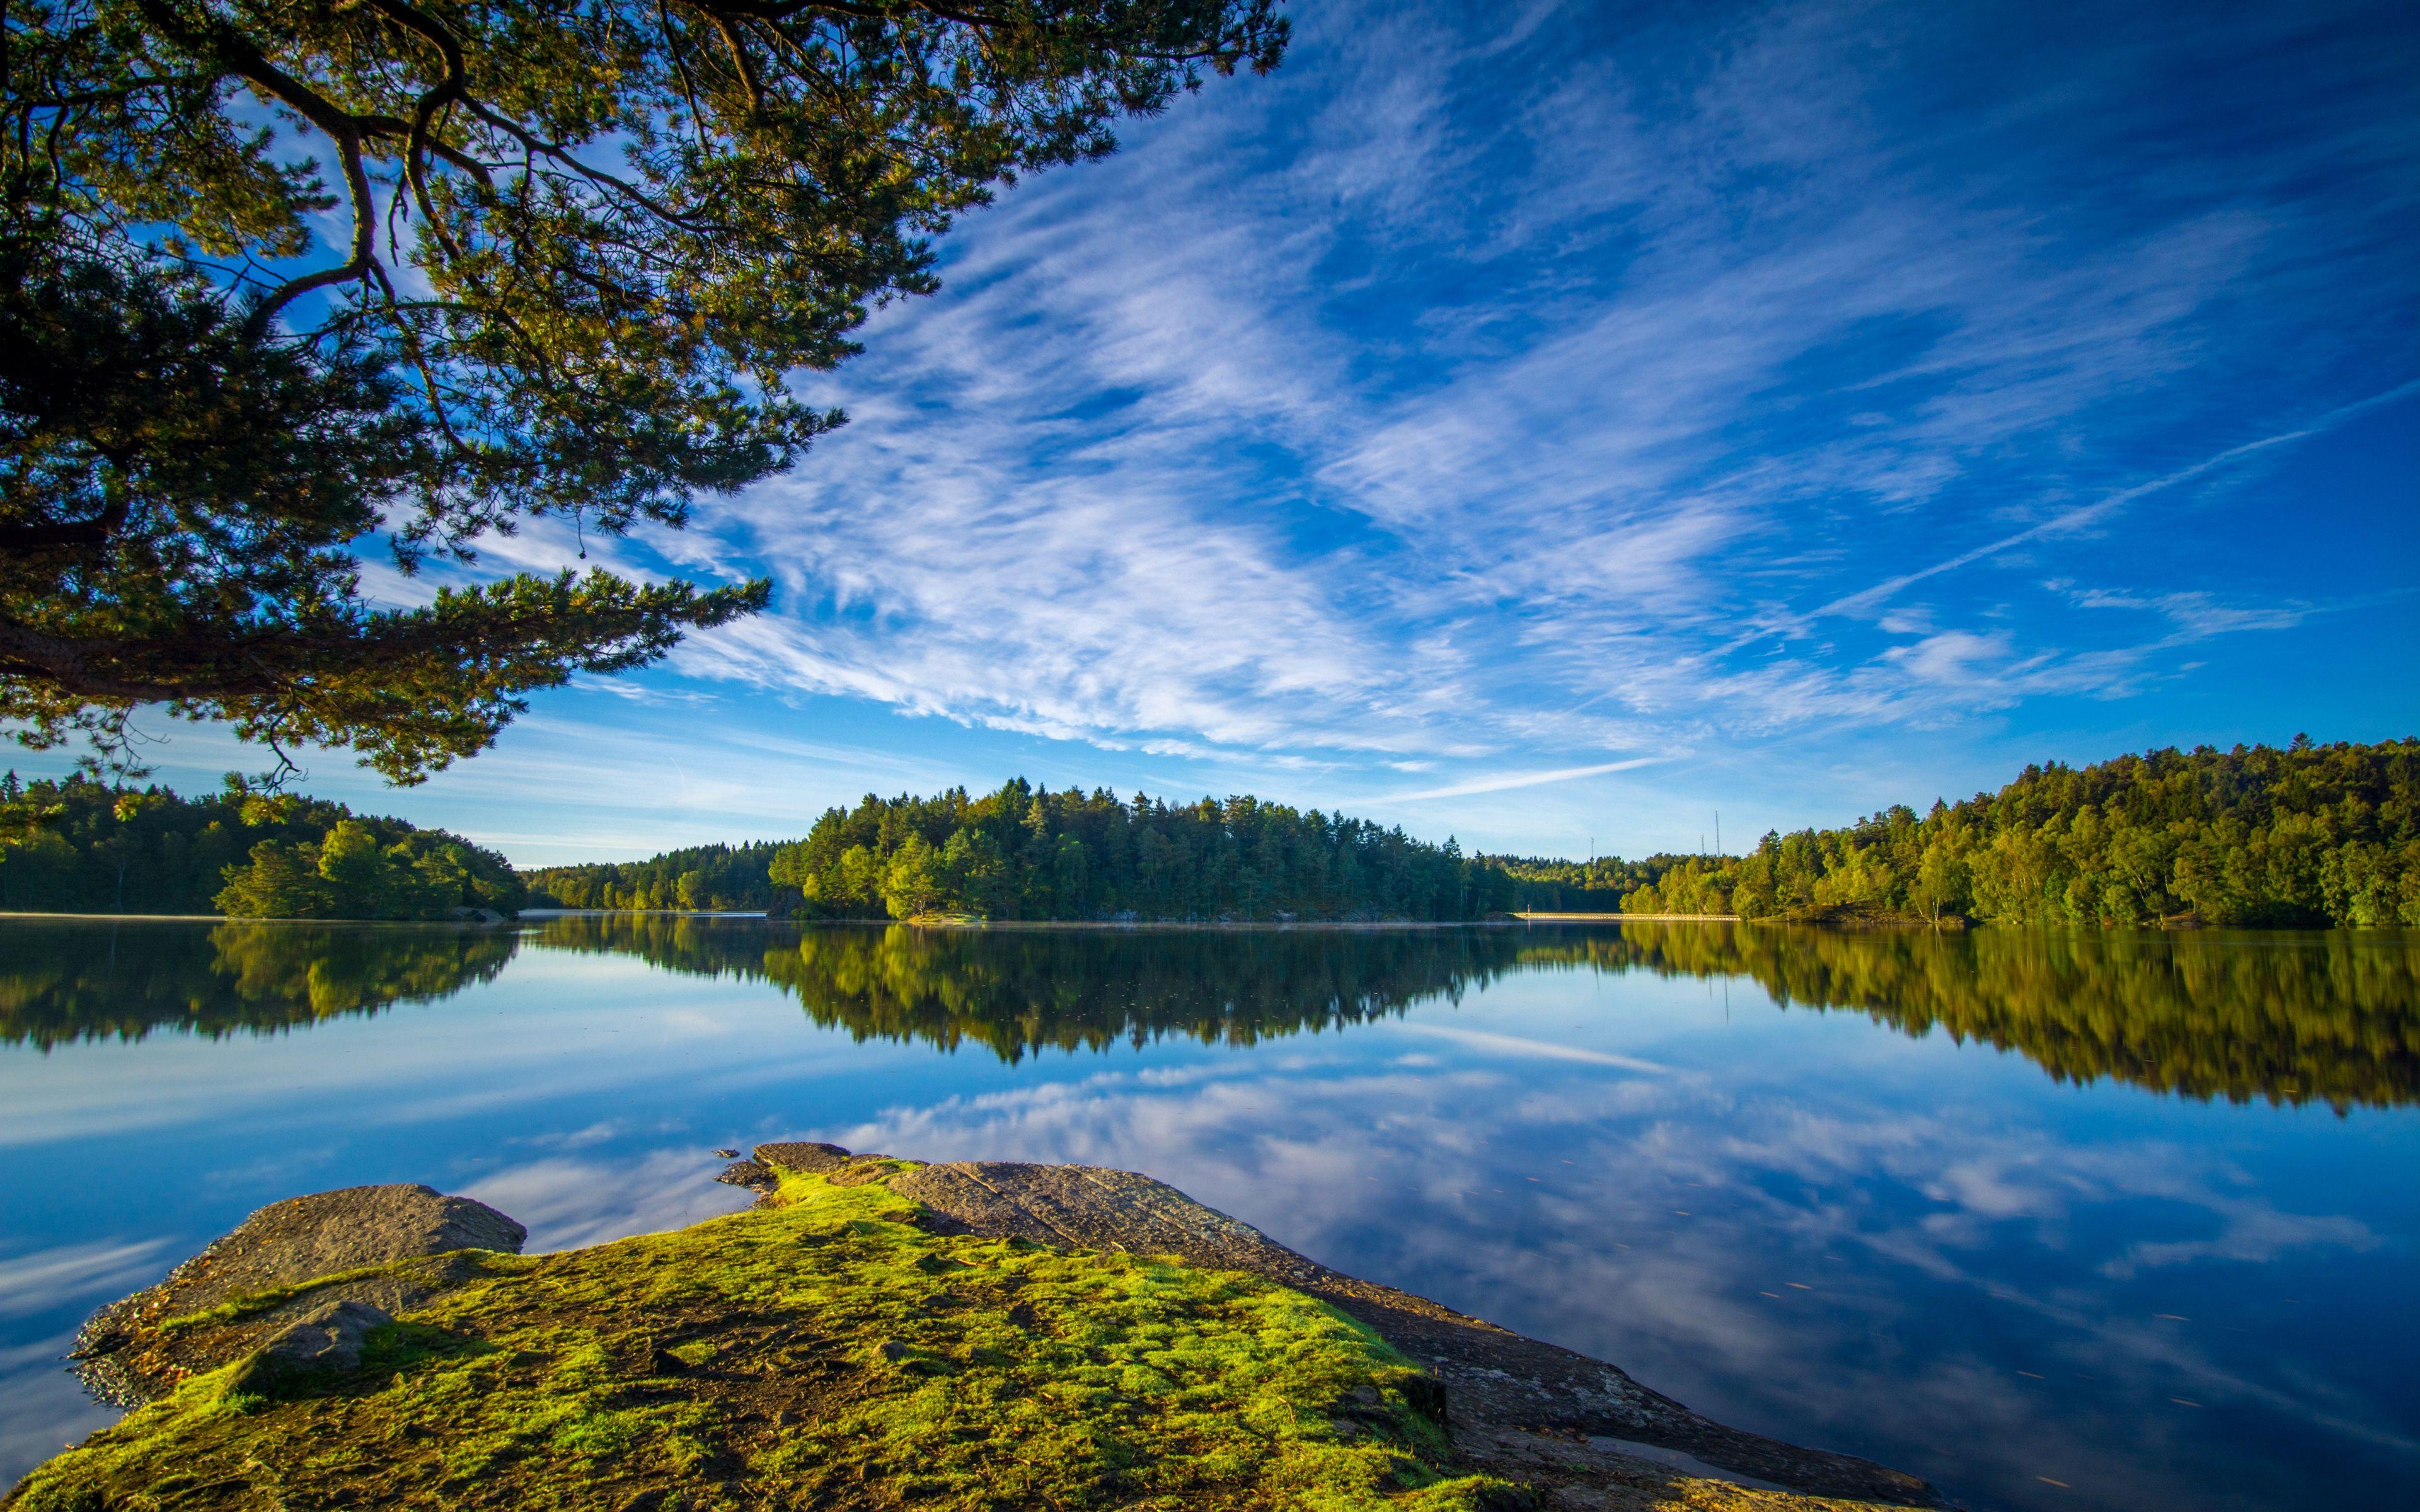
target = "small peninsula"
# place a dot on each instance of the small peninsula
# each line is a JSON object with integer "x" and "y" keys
{"x": 876, "y": 1333}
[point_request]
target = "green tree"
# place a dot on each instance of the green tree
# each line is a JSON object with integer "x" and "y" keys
{"x": 1941, "y": 881}
{"x": 85, "y": 847}
{"x": 280, "y": 881}
{"x": 916, "y": 881}
{"x": 365, "y": 880}
{"x": 581, "y": 249}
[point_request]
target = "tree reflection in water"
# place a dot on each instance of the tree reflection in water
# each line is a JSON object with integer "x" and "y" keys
{"x": 2290, "y": 1017}
{"x": 86, "y": 980}
{"x": 2286, "y": 1016}
{"x": 1021, "y": 989}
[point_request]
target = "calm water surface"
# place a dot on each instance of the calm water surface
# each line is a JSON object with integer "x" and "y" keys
{"x": 2057, "y": 1221}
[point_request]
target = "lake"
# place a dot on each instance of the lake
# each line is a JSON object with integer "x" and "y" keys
{"x": 2059, "y": 1221}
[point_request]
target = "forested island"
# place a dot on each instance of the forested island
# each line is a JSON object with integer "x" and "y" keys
{"x": 1027, "y": 853}
{"x": 2299, "y": 836}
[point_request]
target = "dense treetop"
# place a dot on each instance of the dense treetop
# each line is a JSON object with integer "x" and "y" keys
{"x": 2306, "y": 835}
{"x": 77, "y": 846}
{"x": 1024, "y": 852}
{"x": 694, "y": 877}
{"x": 578, "y": 252}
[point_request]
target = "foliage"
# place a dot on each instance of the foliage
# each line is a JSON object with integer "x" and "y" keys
{"x": 699, "y": 876}
{"x": 1028, "y": 852}
{"x": 86, "y": 848}
{"x": 827, "y": 1353}
{"x": 578, "y": 252}
{"x": 1548, "y": 884}
{"x": 2306, "y": 836}
{"x": 1024, "y": 852}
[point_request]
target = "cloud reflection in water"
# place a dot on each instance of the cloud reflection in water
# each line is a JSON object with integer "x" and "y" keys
{"x": 1992, "y": 1208}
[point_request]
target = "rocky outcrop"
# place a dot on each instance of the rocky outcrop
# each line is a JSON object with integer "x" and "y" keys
{"x": 1511, "y": 1399}
{"x": 295, "y": 1292}
{"x": 127, "y": 1357}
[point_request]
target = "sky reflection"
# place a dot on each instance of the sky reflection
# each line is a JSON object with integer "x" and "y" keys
{"x": 1811, "y": 1225}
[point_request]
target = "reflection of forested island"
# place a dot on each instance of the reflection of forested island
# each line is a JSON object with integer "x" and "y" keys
{"x": 68, "y": 982}
{"x": 1021, "y": 991}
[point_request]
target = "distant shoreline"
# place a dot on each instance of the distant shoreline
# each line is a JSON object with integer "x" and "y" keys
{"x": 1618, "y": 919}
{"x": 176, "y": 919}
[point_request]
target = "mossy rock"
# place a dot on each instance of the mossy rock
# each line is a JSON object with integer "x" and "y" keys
{"x": 826, "y": 1350}
{"x": 387, "y": 1246}
{"x": 882, "y": 1333}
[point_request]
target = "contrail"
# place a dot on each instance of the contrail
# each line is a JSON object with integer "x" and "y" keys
{"x": 2086, "y": 514}
{"x": 1506, "y": 780}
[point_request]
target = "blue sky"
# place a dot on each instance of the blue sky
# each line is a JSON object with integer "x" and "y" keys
{"x": 1561, "y": 424}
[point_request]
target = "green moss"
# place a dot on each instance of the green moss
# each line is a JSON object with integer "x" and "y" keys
{"x": 823, "y": 1352}
{"x": 244, "y": 1304}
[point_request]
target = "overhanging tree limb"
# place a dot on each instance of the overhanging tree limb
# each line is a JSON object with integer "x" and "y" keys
{"x": 628, "y": 224}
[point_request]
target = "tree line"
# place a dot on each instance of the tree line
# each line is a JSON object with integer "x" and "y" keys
{"x": 2303, "y": 836}
{"x": 2256, "y": 836}
{"x": 697, "y": 877}
{"x": 77, "y": 845}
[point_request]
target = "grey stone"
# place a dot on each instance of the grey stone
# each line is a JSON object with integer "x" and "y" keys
{"x": 328, "y": 1337}
{"x": 805, "y": 1157}
{"x": 747, "y": 1173}
{"x": 325, "y": 1232}
{"x": 126, "y": 1359}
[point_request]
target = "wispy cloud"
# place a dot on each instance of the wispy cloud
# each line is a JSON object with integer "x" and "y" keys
{"x": 1499, "y": 388}
{"x": 2071, "y": 521}
{"x": 1178, "y": 461}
